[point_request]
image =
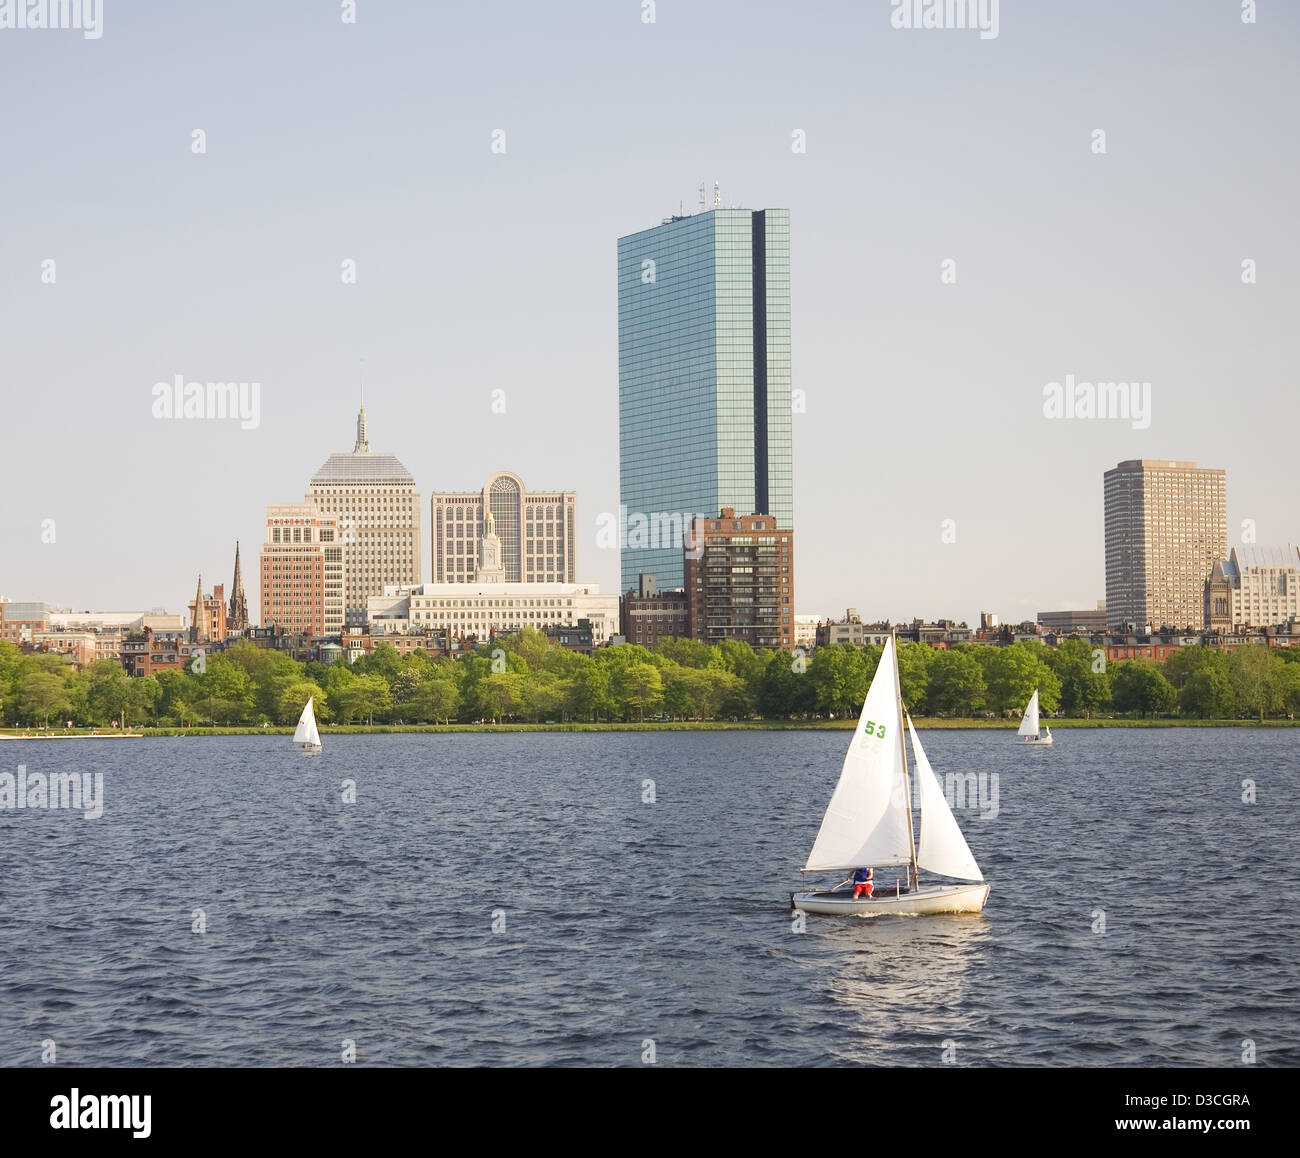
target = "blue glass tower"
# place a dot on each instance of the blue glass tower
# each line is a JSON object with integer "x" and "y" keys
{"x": 704, "y": 379}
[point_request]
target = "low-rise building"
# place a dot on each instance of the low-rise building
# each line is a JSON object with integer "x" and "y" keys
{"x": 20, "y": 621}
{"x": 649, "y": 615}
{"x": 1080, "y": 622}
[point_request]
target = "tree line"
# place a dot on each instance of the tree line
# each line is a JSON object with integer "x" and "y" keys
{"x": 527, "y": 677}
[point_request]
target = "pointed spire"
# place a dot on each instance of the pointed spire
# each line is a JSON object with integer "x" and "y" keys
{"x": 198, "y": 621}
{"x": 237, "y": 615}
{"x": 363, "y": 435}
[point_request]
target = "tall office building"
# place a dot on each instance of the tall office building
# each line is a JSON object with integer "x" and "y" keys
{"x": 704, "y": 380}
{"x": 538, "y": 531}
{"x": 302, "y": 570}
{"x": 372, "y": 497}
{"x": 1166, "y": 526}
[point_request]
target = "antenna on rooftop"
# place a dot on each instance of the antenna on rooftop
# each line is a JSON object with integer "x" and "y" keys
{"x": 701, "y": 196}
{"x": 717, "y": 196}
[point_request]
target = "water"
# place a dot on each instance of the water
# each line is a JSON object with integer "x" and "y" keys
{"x": 628, "y": 923}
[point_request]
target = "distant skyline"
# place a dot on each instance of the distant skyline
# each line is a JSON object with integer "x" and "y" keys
{"x": 430, "y": 200}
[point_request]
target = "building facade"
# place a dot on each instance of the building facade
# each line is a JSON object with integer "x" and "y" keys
{"x": 1166, "y": 525}
{"x": 704, "y": 380}
{"x": 481, "y": 610}
{"x": 740, "y": 580}
{"x": 1065, "y": 622}
{"x": 302, "y": 570}
{"x": 538, "y": 532}
{"x": 1254, "y": 587}
{"x": 649, "y": 614}
{"x": 19, "y": 622}
{"x": 208, "y": 614}
{"x": 371, "y": 496}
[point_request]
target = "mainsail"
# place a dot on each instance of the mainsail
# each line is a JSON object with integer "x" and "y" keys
{"x": 306, "y": 732}
{"x": 867, "y": 821}
{"x": 1029, "y": 725}
{"x": 943, "y": 849}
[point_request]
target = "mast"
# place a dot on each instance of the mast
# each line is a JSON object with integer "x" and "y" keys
{"x": 907, "y": 785}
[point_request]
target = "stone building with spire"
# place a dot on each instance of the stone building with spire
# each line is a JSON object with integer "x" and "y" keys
{"x": 237, "y": 613}
{"x": 372, "y": 497}
{"x": 208, "y": 614}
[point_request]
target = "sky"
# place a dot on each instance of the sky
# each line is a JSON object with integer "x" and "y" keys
{"x": 928, "y": 480}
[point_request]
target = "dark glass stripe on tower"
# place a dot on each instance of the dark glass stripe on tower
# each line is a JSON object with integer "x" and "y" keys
{"x": 759, "y": 235}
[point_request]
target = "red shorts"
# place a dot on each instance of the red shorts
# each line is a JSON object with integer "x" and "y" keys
{"x": 863, "y": 890}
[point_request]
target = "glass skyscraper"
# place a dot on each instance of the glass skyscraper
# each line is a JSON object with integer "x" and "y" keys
{"x": 704, "y": 380}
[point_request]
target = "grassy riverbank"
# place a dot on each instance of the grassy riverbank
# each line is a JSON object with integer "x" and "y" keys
{"x": 693, "y": 726}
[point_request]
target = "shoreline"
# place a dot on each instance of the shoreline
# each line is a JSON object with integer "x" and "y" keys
{"x": 923, "y": 724}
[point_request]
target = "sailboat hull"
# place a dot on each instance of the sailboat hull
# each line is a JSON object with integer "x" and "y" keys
{"x": 922, "y": 902}
{"x": 1035, "y": 741}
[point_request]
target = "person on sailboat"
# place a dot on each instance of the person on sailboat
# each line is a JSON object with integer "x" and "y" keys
{"x": 862, "y": 886}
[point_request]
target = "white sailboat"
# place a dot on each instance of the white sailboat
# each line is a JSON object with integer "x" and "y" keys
{"x": 869, "y": 819}
{"x": 306, "y": 737}
{"x": 1028, "y": 733}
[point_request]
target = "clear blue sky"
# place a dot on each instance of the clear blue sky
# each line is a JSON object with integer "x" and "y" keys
{"x": 479, "y": 271}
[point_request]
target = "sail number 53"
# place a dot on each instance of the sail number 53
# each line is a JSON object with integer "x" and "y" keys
{"x": 874, "y": 729}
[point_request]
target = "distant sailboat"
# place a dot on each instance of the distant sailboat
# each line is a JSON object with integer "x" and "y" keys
{"x": 869, "y": 819}
{"x": 1028, "y": 733}
{"x": 306, "y": 738}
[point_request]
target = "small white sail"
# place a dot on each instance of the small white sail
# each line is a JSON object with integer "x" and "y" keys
{"x": 867, "y": 820}
{"x": 943, "y": 849}
{"x": 306, "y": 734}
{"x": 1029, "y": 725}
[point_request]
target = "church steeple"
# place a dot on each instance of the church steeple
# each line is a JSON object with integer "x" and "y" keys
{"x": 237, "y": 616}
{"x": 199, "y": 618}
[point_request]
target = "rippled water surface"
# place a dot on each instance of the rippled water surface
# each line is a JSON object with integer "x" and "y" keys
{"x": 628, "y": 922}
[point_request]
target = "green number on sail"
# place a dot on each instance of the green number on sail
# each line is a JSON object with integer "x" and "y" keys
{"x": 871, "y": 730}
{"x": 881, "y": 733}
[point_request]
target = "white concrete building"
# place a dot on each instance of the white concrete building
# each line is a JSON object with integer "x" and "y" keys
{"x": 1265, "y": 584}
{"x": 479, "y": 608}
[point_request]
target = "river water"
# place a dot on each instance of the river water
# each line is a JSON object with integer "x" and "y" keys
{"x": 527, "y": 899}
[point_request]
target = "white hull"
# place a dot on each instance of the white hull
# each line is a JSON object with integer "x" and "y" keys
{"x": 932, "y": 899}
{"x": 309, "y": 749}
{"x": 1035, "y": 741}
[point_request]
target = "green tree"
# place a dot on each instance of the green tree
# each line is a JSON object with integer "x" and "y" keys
{"x": 42, "y": 694}
{"x": 914, "y": 661}
{"x": 1256, "y": 681}
{"x": 591, "y": 696}
{"x": 637, "y": 686}
{"x": 294, "y": 697}
{"x": 1140, "y": 686}
{"x": 956, "y": 683}
{"x": 437, "y": 699}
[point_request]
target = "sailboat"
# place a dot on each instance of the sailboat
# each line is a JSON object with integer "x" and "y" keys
{"x": 1028, "y": 733}
{"x": 306, "y": 738}
{"x": 869, "y": 819}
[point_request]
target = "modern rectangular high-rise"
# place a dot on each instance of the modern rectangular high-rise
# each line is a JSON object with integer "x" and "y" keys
{"x": 1166, "y": 526}
{"x": 704, "y": 380}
